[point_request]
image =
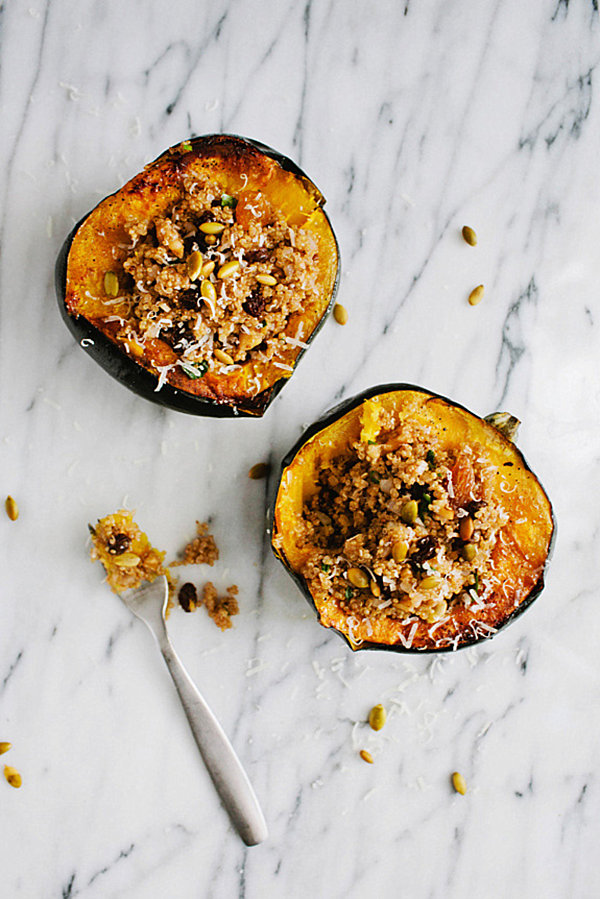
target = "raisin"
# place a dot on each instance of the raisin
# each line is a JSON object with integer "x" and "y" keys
{"x": 425, "y": 549}
{"x": 188, "y": 597}
{"x": 189, "y": 299}
{"x": 260, "y": 255}
{"x": 417, "y": 490}
{"x": 117, "y": 544}
{"x": 255, "y": 304}
{"x": 474, "y": 506}
{"x": 179, "y": 337}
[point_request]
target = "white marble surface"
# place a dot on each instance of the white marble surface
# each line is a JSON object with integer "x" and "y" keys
{"x": 414, "y": 119}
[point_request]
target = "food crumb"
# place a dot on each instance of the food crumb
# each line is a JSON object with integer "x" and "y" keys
{"x": 366, "y": 756}
{"x": 202, "y": 550}
{"x": 220, "y": 608}
{"x": 4, "y": 747}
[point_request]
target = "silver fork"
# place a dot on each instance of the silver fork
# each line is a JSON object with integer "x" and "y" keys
{"x": 149, "y": 602}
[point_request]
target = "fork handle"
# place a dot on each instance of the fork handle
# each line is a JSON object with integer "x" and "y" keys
{"x": 223, "y": 765}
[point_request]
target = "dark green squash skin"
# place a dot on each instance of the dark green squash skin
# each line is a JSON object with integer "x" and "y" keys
{"x": 323, "y": 422}
{"x": 143, "y": 382}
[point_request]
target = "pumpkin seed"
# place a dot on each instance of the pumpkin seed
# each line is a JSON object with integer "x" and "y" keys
{"x": 366, "y": 756}
{"x": 466, "y": 528}
{"x": 358, "y": 578}
{"x": 111, "y": 284}
{"x": 12, "y": 776}
{"x": 212, "y": 227}
{"x": 208, "y": 291}
{"x": 127, "y": 560}
{"x": 476, "y": 295}
{"x": 267, "y": 280}
{"x": 469, "y": 235}
{"x": 222, "y": 356}
{"x": 194, "y": 264}
{"x": 377, "y": 716}
{"x": 4, "y": 747}
{"x": 409, "y": 511}
{"x": 207, "y": 269}
{"x": 228, "y": 269}
{"x": 430, "y": 582}
{"x": 399, "y": 551}
{"x": 340, "y": 313}
{"x": 375, "y": 588}
{"x": 459, "y": 783}
{"x": 468, "y": 552}
{"x": 258, "y": 471}
{"x": 12, "y": 510}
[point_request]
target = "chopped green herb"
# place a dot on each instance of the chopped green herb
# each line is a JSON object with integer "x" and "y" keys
{"x": 371, "y": 442}
{"x": 374, "y": 477}
{"x": 348, "y": 593}
{"x": 476, "y": 582}
{"x": 228, "y": 201}
{"x": 430, "y": 457}
{"x": 263, "y": 324}
{"x": 424, "y": 505}
{"x": 195, "y": 371}
{"x": 325, "y": 566}
{"x": 186, "y": 146}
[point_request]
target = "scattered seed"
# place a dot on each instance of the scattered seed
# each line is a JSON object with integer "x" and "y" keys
{"x": 459, "y": 783}
{"x": 207, "y": 269}
{"x": 469, "y": 235}
{"x": 222, "y": 356}
{"x": 12, "y": 776}
{"x": 468, "y": 552}
{"x": 399, "y": 551}
{"x": 207, "y": 289}
{"x": 12, "y": 510}
{"x": 211, "y": 239}
{"x": 358, "y": 578}
{"x": 228, "y": 269}
{"x": 466, "y": 528}
{"x": 377, "y": 716}
{"x": 366, "y": 756}
{"x": 188, "y": 597}
{"x": 267, "y": 280}
{"x": 259, "y": 471}
{"x": 340, "y": 313}
{"x": 111, "y": 284}
{"x": 195, "y": 265}
{"x": 127, "y": 560}
{"x": 409, "y": 511}
{"x": 4, "y": 747}
{"x": 212, "y": 227}
{"x": 476, "y": 295}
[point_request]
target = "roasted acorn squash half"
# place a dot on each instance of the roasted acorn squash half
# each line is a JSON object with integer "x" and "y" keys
{"x": 202, "y": 281}
{"x": 411, "y": 524}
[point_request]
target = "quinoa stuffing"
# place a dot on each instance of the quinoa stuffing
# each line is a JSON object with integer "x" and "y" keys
{"x": 216, "y": 277}
{"x": 202, "y": 550}
{"x": 220, "y": 608}
{"x": 402, "y": 533}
